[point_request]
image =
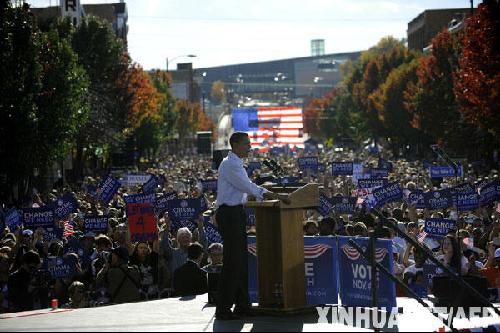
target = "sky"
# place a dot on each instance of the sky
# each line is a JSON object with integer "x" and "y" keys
{"x": 224, "y": 32}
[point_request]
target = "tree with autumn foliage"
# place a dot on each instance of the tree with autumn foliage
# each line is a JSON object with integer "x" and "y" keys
{"x": 191, "y": 120}
{"x": 477, "y": 81}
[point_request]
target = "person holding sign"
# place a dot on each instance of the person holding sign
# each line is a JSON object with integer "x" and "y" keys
{"x": 234, "y": 186}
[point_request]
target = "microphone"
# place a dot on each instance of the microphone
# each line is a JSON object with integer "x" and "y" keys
{"x": 274, "y": 166}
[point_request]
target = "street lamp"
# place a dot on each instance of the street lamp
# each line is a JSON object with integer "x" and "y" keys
{"x": 181, "y": 56}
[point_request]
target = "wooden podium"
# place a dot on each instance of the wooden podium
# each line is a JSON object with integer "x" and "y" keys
{"x": 280, "y": 248}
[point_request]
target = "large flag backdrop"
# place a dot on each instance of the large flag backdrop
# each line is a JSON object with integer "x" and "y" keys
{"x": 271, "y": 126}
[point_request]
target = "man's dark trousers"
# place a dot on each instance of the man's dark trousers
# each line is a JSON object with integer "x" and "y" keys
{"x": 233, "y": 285}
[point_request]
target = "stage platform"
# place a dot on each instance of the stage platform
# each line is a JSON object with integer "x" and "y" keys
{"x": 193, "y": 314}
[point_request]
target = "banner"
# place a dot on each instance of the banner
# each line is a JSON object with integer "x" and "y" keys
{"x": 414, "y": 197}
{"x": 142, "y": 222}
{"x": 184, "y": 209}
{"x": 467, "y": 201}
{"x": 209, "y": 185}
{"x": 51, "y": 233}
{"x": 66, "y": 205}
{"x": 61, "y": 267}
{"x": 151, "y": 185}
{"x": 436, "y": 200}
{"x": 161, "y": 203}
{"x": 107, "y": 189}
{"x": 344, "y": 205}
{"x": 389, "y": 193}
{"x": 356, "y": 274}
{"x": 439, "y": 227}
{"x": 342, "y": 168}
{"x": 96, "y": 224}
{"x": 445, "y": 171}
{"x": 309, "y": 163}
{"x": 488, "y": 193}
{"x": 251, "y": 219}
{"x": 371, "y": 183}
{"x": 320, "y": 254}
{"x": 13, "y": 219}
{"x": 38, "y": 217}
{"x": 211, "y": 231}
{"x": 140, "y": 198}
{"x": 131, "y": 180}
{"x": 325, "y": 206}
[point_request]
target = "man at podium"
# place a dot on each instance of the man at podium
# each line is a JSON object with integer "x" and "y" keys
{"x": 233, "y": 189}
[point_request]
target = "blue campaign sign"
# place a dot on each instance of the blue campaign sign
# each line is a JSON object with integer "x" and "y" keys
{"x": 211, "y": 231}
{"x": 107, "y": 189}
{"x": 445, "y": 171}
{"x": 430, "y": 271}
{"x": 176, "y": 225}
{"x": 488, "y": 193}
{"x": 371, "y": 183}
{"x": 389, "y": 193}
{"x": 151, "y": 185}
{"x": 378, "y": 173}
{"x": 251, "y": 219}
{"x": 415, "y": 197}
{"x": 13, "y": 219}
{"x": 140, "y": 198}
{"x": 288, "y": 181}
{"x": 344, "y": 205}
{"x": 467, "y": 201}
{"x": 90, "y": 189}
{"x": 161, "y": 203}
{"x": 320, "y": 256}
{"x": 325, "y": 206}
{"x": 38, "y": 217}
{"x": 51, "y": 233}
{"x": 309, "y": 163}
{"x": 356, "y": 276}
{"x": 65, "y": 205}
{"x": 440, "y": 227}
{"x": 342, "y": 168}
{"x": 209, "y": 185}
{"x": 436, "y": 200}
{"x": 184, "y": 209}
{"x": 96, "y": 224}
{"x": 61, "y": 267}
{"x": 252, "y": 166}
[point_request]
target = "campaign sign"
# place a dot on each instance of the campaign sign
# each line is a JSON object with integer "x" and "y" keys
{"x": 209, "y": 185}
{"x": 356, "y": 274}
{"x": 322, "y": 167}
{"x": 389, "y": 193}
{"x": 439, "y": 227}
{"x": 140, "y": 198}
{"x": 414, "y": 197}
{"x": 211, "y": 231}
{"x": 107, "y": 189}
{"x": 342, "y": 168}
{"x": 13, "y": 219}
{"x": 51, "y": 233}
{"x": 436, "y": 200}
{"x": 325, "y": 206}
{"x": 251, "y": 219}
{"x": 320, "y": 256}
{"x": 142, "y": 222}
{"x": 90, "y": 189}
{"x": 65, "y": 205}
{"x": 488, "y": 193}
{"x": 38, "y": 217}
{"x": 136, "y": 180}
{"x": 288, "y": 181}
{"x": 371, "y": 183}
{"x": 184, "y": 209}
{"x": 309, "y": 163}
{"x": 430, "y": 271}
{"x": 377, "y": 173}
{"x": 445, "y": 171}
{"x": 96, "y": 224}
{"x": 161, "y": 203}
{"x": 252, "y": 166}
{"x": 61, "y": 267}
{"x": 176, "y": 225}
{"x": 344, "y": 205}
{"x": 151, "y": 185}
{"x": 357, "y": 172}
{"x": 467, "y": 201}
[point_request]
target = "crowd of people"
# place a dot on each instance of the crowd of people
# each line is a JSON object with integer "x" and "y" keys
{"x": 111, "y": 268}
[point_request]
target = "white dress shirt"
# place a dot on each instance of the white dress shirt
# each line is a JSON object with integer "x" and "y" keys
{"x": 233, "y": 185}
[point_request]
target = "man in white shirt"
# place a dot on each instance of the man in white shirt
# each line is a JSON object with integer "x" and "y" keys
{"x": 233, "y": 189}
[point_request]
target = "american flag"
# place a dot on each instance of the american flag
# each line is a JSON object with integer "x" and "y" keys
{"x": 310, "y": 251}
{"x": 422, "y": 236}
{"x": 271, "y": 126}
{"x": 353, "y": 254}
{"x": 68, "y": 229}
